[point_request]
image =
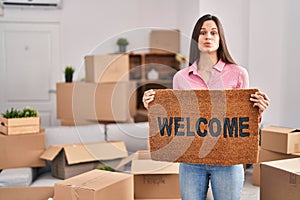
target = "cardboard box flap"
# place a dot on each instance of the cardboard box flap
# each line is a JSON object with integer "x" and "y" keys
{"x": 95, "y": 179}
{"x": 88, "y": 152}
{"x": 51, "y": 152}
{"x": 291, "y": 165}
{"x": 279, "y": 129}
{"x": 143, "y": 155}
{"x": 153, "y": 167}
{"x": 141, "y": 163}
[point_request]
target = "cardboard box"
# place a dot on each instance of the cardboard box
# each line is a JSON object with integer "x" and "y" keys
{"x": 107, "y": 68}
{"x": 17, "y": 151}
{"x": 72, "y": 159}
{"x": 16, "y": 126}
{"x": 280, "y": 179}
{"x": 280, "y": 139}
{"x": 81, "y": 122}
{"x": 96, "y": 184}
{"x": 154, "y": 179}
{"x": 79, "y": 101}
{"x": 217, "y": 127}
{"x": 256, "y": 174}
{"x": 264, "y": 156}
{"x": 32, "y": 193}
{"x": 165, "y": 41}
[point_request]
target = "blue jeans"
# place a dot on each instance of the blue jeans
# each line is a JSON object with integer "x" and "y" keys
{"x": 226, "y": 181}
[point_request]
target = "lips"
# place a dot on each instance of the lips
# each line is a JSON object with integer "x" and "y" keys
{"x": 207, "y": 43}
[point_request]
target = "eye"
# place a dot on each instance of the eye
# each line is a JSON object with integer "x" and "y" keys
{"x": 214, "y": 33}
{"x": 202, "y": 32}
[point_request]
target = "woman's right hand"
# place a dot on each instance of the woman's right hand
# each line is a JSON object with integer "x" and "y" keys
{"x": 148, "y": 97}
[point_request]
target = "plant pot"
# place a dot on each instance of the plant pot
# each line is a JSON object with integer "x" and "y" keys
{"x": 122, "y": 48}
{"x": 17, "y": 126}
{"x": 69, "y": 78}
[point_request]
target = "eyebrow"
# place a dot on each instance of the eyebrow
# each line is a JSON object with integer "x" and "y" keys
{"x": 212, "y": 28}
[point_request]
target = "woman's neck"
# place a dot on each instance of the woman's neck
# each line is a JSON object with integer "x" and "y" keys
{"x": 207, "y": 61}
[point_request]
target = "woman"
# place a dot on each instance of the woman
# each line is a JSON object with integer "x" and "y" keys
{"x": 211, "y": 67}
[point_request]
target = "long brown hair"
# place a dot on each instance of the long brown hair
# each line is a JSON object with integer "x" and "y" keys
{"x": 222, "y": 51}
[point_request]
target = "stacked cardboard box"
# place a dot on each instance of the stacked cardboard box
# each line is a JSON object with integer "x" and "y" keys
{"x": 72, "y": 159}
{"x": 151, "y": 180}
{"x": 82, "y": 102}
{"x": 107, "y": 68}
{"x": 280, "y": 179}
{"x": 19, "y": 135}
{"x": 277, "y": 143}
{"x": 32, "y": 193}
{"x": 17, "y": 126}
{"x": 96, "y": 184}
{"x": 23, "y": 150}
{"x": 106, "y": 94}
{"x": 264, "y": 156}
{"x": 165, "y": 41}
{"x": 154, "y": 179}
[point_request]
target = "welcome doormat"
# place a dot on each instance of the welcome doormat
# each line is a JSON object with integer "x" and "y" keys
{"x": 204, "y": 126}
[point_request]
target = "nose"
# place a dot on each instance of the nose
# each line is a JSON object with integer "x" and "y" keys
{"x": 208, "y": 36}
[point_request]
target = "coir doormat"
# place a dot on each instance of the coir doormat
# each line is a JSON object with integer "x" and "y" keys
{"x": 204, "y": 126}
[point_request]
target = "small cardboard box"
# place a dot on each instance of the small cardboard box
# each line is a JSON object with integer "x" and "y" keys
{"x": 15, "y": 126}
{"x": 165, "y": 41}
{"x": 32, "y": 193}
{"x": 217, "y": 127}
{"x": 80, "y": 101}
{"x": 96, "y": 184}
{"x": 154, "y": 179}
{"x": 107, "y": 68}
{"x": 72, "y": 159}
{"x": 17, "y": 151}
{"x": 280, "y": 179}
{"x": 264, "y": 156}
{"x": 280, "y": 139}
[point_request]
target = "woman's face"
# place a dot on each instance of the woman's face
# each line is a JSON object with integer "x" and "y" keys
{"x": 209, "y": 38}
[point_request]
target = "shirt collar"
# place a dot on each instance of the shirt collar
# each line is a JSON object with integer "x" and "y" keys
{"x": 219, "y": 66}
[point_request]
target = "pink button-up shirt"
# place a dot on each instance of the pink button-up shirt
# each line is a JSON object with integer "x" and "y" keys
{"x": 223, "y": 76}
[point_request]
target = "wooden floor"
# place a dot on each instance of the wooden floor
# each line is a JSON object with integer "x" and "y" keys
{"x": 250, "y": 192}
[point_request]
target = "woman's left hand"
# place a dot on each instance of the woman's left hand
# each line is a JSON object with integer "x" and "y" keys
{"x": 261, "y": 100}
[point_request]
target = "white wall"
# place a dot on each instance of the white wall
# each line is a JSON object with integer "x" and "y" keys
{"x": 187, "y": 15}
{"x": 291, "y": 68}
{"x": 98, "y": 24}
{"x": 274, "y": 53}
{"x": 265, "y": 54}
{"x": 93, "y": 26}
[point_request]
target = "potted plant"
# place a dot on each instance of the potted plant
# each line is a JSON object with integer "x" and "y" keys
{"x": 122, "y": 42}
{"x": 69, "y": 71}
{"x": 16, "y": 121}
{"x": 106, "y": 168}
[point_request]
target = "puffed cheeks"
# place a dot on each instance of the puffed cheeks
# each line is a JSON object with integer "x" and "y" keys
{"x": 260, "y": 100}
{"x": 148, "y": 97}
